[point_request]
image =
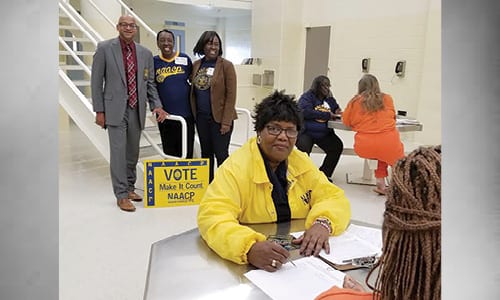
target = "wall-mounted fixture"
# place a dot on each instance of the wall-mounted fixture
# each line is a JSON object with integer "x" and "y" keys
{"x": 251, "y": 61}
{"x": 265, "y": 79}
{"x": 257, "y": 79}
{"x": 365, "y": 65}
{"x": 268, "y": 78}
{"x": 400, "y": 68}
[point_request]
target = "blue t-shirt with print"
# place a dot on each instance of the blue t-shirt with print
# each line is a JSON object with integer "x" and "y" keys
{"x": 316, "y": 113}
{"x": 172, "y": 81}
{"x": 201, "y": 82}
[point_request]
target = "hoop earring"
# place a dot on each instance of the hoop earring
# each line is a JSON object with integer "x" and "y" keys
{"x": 259, "y": 139}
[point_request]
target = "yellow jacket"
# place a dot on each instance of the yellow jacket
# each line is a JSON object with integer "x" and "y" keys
{"x": 241, "y": 193}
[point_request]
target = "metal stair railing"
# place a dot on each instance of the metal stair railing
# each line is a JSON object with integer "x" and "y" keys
{"x": 247, "y": 115}
{"x": 137, "y": 18}
{"x": 80, "y": 22}
{"x": 94, "y": 37}
{"x": 74, "y": 56}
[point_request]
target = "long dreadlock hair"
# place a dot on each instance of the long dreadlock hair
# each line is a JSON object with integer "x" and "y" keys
{"x": 410, "y": 265}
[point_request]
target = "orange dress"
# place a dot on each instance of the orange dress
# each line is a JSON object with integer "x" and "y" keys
{"x": 376, "y": 134}
{"x": 336, "y": 293}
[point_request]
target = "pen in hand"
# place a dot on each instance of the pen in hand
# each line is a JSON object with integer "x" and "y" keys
{"x": 291, "y": 261}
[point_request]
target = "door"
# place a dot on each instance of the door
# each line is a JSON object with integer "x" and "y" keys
{"x": 317, "y": 53}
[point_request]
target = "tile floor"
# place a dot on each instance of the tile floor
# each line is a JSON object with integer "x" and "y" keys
{"x": 104, "y": 252}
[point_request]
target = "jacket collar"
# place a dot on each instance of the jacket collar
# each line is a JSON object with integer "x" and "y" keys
{"x": 295, "y": 167}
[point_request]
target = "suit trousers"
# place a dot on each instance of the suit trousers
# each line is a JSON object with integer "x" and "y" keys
{"x": 211, "y": 141}
{"x": 124, "y": 152}
{"x": 330, "y": 143}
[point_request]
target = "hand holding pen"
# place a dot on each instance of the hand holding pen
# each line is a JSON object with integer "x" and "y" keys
{"x": 268, "y": 255}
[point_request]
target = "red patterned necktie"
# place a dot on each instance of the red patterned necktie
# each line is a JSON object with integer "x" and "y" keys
{"x": 131, "y": 78}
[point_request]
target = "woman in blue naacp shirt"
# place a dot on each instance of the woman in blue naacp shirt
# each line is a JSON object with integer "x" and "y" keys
{"x": 172, "y": 72}
{"x": 318, "y": 107}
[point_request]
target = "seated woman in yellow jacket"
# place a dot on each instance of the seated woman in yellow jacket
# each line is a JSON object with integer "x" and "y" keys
{"x": 410, "y": 265}
{"x": 269, "y": 180}
{"x": 371, "y": 114}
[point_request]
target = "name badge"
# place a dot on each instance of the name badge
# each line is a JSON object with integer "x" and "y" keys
{"x": 210, "y": 71}
{"x": 181, "y": 61}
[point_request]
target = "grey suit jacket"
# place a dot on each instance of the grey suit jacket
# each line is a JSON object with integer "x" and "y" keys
{"x": 109, "y": 83}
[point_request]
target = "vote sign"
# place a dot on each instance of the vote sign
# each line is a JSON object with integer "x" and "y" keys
{"x": 175, "y": 182}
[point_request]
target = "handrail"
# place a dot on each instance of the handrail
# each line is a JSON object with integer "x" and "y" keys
{"x": 101, "y": 13}
{"x": 131, "y": 12}
{"x": 79, "y": 22}
{"x": 183, "y": 134}
{"x": 248, "y": 115}
{"x": 80, "y": 95}
{"x": 75, "y": 57}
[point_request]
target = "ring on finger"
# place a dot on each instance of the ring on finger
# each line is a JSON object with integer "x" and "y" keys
{"x": 273, "y": 263}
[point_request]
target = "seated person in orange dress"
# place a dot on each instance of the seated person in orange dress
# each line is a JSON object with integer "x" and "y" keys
{"x": 371, "y": 115}
{"x": 410, "y": 265}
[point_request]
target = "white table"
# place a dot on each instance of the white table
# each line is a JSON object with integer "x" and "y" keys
{"x": 402, "y": 124}
{"x": 183, "y": 267}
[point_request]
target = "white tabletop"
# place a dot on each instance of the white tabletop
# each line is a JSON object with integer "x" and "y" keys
{"x": 184, "y": 267}
{"x": 401, "y": 125}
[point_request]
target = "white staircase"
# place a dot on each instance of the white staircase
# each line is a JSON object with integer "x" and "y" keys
{"x": 77, "y": 44}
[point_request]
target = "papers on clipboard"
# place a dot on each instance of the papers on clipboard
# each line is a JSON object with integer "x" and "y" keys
{"x": 313, "y": 275}
{"x": 310, "y": 278}
{"x": 356, "y": 242}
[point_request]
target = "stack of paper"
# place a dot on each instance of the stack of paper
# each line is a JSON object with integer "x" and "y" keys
{"x": 405, "y": 121}
{"x": 310, "y": 278}
{"x": 357, "y": 241}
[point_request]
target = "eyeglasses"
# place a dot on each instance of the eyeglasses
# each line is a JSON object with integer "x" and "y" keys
{"x": 290, "y": 132}
{"x": 125, "y": 25}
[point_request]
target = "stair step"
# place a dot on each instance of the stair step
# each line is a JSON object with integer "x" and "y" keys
{"x": 69, "y": 27}
{"x": 148, "y": 152}
{"x": 65, "y": 52}
{"x": 76, "y": 39}
{"x": 81, "y": 82}
{"x": 152, "y": 157}
{"x": 71, "y": 67}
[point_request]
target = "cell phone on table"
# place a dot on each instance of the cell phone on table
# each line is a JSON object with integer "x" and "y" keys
{"x": 285, "y": 240}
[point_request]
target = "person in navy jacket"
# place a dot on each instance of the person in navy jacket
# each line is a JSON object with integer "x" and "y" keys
{"x": 318, "y": 107}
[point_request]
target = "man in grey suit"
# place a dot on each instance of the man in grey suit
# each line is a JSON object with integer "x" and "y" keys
{"x": 122, "y": 81}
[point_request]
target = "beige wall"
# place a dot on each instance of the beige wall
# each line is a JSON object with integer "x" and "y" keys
{"x": 234, "y": 31}
{"x": 110, "y": 8}
{"x": 385, "y": 31}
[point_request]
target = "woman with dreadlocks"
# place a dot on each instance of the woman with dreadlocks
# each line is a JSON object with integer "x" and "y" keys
{"x": 371, "y": 115}
{"x": 410, "y": 265}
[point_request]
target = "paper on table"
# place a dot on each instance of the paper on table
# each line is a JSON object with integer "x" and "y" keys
{"x": 368, "y": 234}
{"x": 401, "y": 121}
{"x": 306, "y": 281}
{"x": 356, "y": 241}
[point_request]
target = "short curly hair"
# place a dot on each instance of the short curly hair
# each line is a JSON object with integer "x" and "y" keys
{"x": 277, "y": 107}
